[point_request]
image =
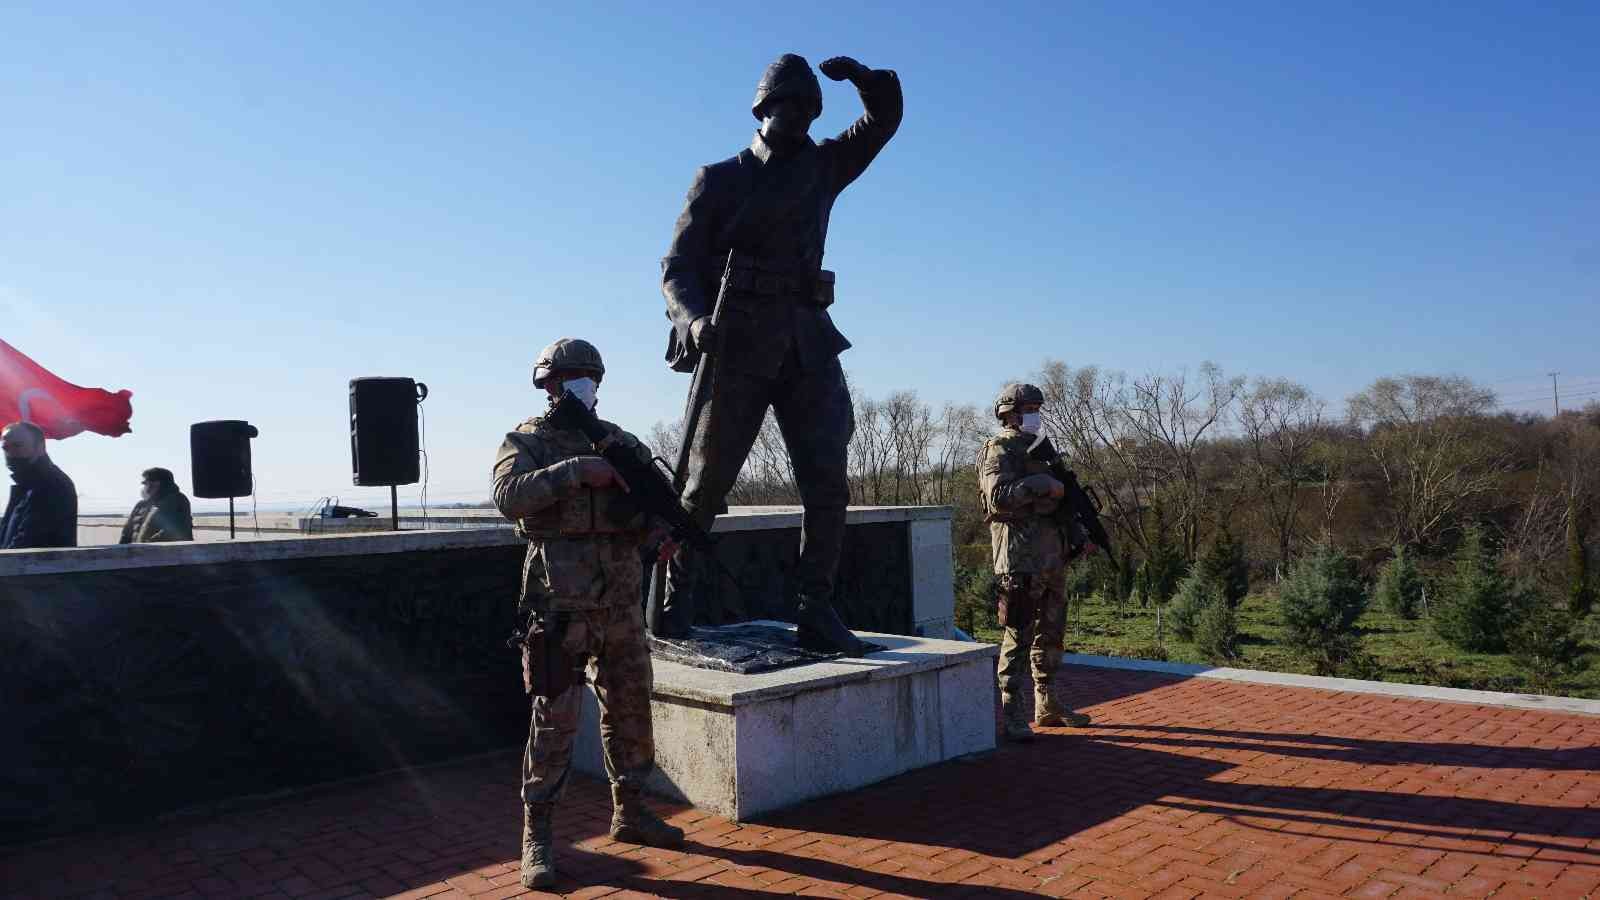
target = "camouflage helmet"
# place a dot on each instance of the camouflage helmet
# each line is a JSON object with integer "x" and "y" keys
{"x": 1014, "y": 395}
{"x": 790, "y": 76}
{"x": 568, "y": 353}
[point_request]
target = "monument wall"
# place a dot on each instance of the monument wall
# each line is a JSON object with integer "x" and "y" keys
{"x": 141, "y": 679}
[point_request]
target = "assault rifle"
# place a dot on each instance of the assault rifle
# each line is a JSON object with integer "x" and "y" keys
{"x": 1079, "y": 512}
{"x": 649, "y": 483}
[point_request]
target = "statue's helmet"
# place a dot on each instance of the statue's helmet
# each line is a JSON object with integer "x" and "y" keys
{"x": 789, "y": 76}
{"x": 1014, "y": 395}
{"x": 568, "y": 354}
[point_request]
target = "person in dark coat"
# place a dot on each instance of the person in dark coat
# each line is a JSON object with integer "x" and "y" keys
{"x": 162, "y": 513}
{"x": 759, "y": 222}
{"x": 43, "y": 508}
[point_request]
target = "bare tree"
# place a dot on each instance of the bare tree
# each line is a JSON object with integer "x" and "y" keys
{"x": 911, "y": 430}
{"x": 1333, "y": 456}
{"x": 1084, "y": 409}
{"x": 1557, "y": 507}
{"x": 1279, "y": 422}
{"x": 1425, "y": 436}
{"x": 1172, "y": 415}
{"x": 768, "y": 473}
{"x": 956, "y": 437}
{"x": 665, "y": 442}
{"x": 1537, "y": 534}
{"x": 871, "y": 450}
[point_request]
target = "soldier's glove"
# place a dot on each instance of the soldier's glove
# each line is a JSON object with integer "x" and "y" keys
{"x": 702, "y": 333}
{"x": 590, "y": 471}
{"x": 1044, "y": 485}
{"x": 843, "y": 68}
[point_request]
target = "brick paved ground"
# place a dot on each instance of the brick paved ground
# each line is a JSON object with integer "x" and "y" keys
{"x": 1184, "y": 788}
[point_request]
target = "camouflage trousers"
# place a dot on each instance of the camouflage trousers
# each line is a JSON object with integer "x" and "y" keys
{"x": 1034, "y": 613}
{"x": 610, "y": 644}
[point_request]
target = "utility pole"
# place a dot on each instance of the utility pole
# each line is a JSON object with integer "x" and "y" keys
{"x": 1555, "y": 392}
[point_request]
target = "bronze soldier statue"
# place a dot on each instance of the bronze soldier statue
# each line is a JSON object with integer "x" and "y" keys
{"x": 1020, "y": 500}
{"x": 579, "y": 607}
{"x": 748, "y": 300}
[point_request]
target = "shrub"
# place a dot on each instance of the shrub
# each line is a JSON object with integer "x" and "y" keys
{"x": 1225, "y": 564}
{"x": 1159, "y": 574}
{"x": 1320, "y": 600}
{"x": 1194, "y": 593}
{"x": 1545, "y": 643}
{"x": 1157, "y": 652}
{"x": 975, "y": 599}
{"x": 1478, "y": 603}
{"x": 1361, "y": 664}
{"x": 1216, "y": 630}
{"x": 1082, "y": 578}
{"x": 1399, "y": 587}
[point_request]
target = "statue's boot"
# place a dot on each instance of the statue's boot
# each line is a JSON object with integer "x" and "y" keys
{"x": 821, "y": 628}
{"x": 1048, "y": 713}
{"x": 538, "y": 849}
{"x": 633, "y": 823}
{"x": 1014, "y": 719}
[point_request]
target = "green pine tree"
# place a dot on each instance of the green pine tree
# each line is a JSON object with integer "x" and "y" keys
{"x": 1225, "y": 564}
{"x": 1479, "y": 603}
{"x": 1320, "y": 600}
{"x": 1399, "y": 588}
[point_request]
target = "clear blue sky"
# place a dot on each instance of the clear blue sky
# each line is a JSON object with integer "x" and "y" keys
{"x": 232, "y": 211}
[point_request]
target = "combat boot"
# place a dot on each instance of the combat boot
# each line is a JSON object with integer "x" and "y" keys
{"x": 1050, "y": 714}
{"x": 1016, "y": 721}
{"x": 821, "y": 628}
{"x": 538, "y": 849}
{"x": 633, "y": 823}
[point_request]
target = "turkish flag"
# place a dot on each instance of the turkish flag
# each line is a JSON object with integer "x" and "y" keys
{"x": 30, "y": 393}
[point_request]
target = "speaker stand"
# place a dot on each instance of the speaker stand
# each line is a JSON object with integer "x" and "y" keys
{"x": 230, "y": 518}
{"x": 394, "y": 506}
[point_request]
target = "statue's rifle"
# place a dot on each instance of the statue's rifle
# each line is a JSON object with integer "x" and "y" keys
{"x": 702, "y": 388}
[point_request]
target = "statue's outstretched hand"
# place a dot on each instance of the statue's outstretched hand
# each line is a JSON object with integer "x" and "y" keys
{"x": 843, "y": 68}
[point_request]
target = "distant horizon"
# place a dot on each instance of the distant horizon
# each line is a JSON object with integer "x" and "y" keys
{"x": 242, "y": 508}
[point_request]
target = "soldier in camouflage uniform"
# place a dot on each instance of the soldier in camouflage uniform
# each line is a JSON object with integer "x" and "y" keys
{"x": 580, "y": 609}
{"x": 1019, "y": 499}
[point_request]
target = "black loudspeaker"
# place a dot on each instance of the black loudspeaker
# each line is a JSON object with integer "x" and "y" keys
{"x": 219, "y": 457}
{"x": 383, "y": 430}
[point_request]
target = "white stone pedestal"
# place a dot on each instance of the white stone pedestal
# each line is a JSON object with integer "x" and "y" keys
{"x": 744, "y": 745}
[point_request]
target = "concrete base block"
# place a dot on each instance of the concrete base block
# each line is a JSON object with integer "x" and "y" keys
{"x": 744, "y": 745}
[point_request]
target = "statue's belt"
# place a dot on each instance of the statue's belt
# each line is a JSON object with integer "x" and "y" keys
{"x": 804, "y": 288}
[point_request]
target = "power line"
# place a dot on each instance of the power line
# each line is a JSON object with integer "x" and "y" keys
{"x": 1541, "y": 395}
{"x": 1548, "y": 397}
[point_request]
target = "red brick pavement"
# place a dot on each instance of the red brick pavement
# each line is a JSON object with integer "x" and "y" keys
{"x": 1183, "y": 788}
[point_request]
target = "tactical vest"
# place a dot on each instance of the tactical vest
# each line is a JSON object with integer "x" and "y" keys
{"x": 589, "y": 511}
{"x": 1014, "y": 447}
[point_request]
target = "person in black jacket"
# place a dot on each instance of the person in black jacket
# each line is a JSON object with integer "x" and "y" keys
{"x": 162, "y": 513}
{"x": 43, "y": 509}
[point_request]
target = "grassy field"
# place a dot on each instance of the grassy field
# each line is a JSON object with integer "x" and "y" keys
{"x": 1405, "y": 651}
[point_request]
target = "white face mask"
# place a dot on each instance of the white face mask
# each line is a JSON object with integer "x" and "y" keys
{"x": 1030, "y": 423}
{"x": 584, "y": 388}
